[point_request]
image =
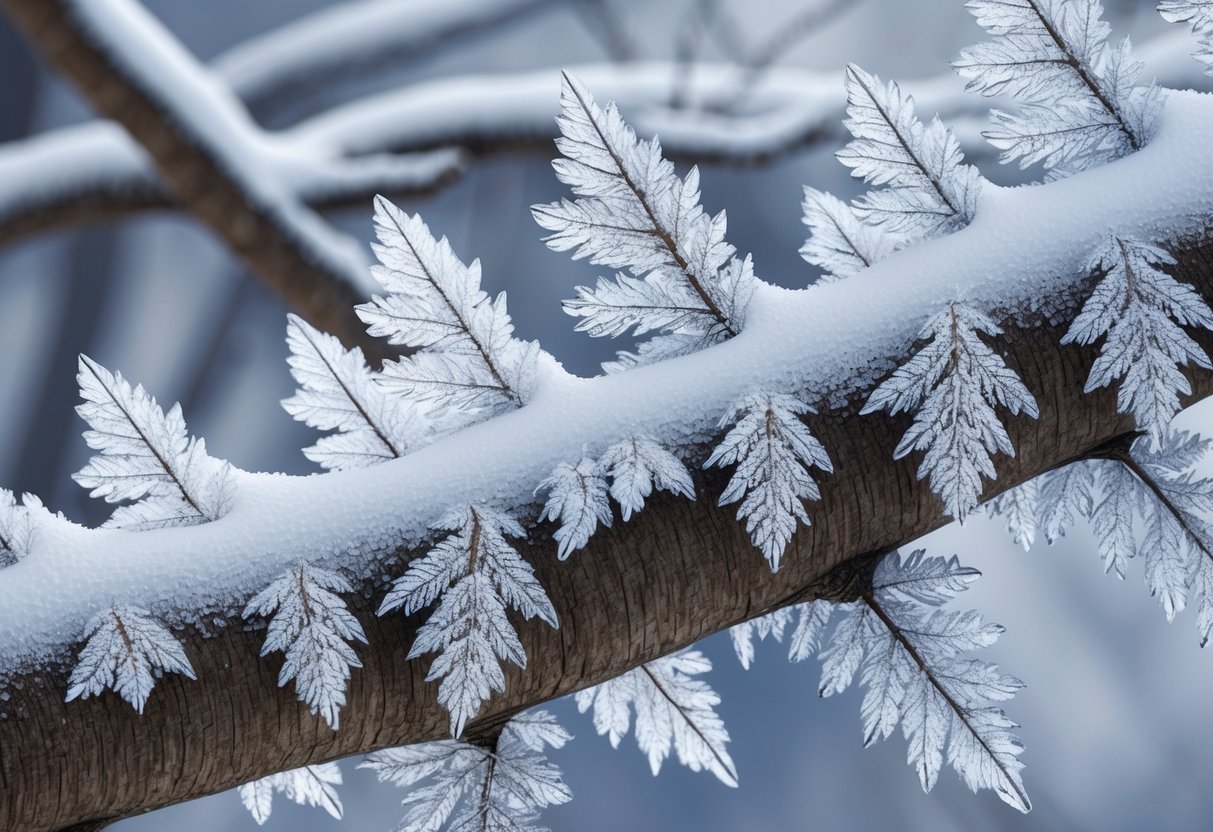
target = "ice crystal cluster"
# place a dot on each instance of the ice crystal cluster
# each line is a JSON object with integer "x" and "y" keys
{"x": 678, "y": 286}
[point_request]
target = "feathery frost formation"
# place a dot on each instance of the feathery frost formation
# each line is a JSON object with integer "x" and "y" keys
{"x": 307, "y": 786}
{"x": 840, "y": 243}
{"x": 466, "y": 360}
{"x": 1132, "y": 308}
{"x": 1081, "y": 105}
{"x": 474, "y": 574}
{"x": 315, "y": 631}
{"x": 639, "y": 464}
{"x": 1018, "y": 507}
{"x": 928, "y": 191}
{"x": 1199, "y": 15}
{"x": 675, "y": 711}
{"x": 812, "y": 619}
{"x": 339, "y": 392}
{"x": 124, "y": 647}
{"x": 16, "y": 526}
{"x": 773, "y": 452}
{"x": 146, "y": 455}
{"x": 952, "y": 386}
{"x": 501, "y": 788}
{"x": 634, "y": 213}
{"x": 577, "y": 499}
{"x": 1066, "y": 495}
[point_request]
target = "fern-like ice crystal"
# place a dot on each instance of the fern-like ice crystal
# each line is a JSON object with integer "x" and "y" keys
{"x": 16, "y": 527}
{"x": 578, "y": 500}
{"x": 307, "y": 786}
{"x": 1199, "y": 15}
{"x": 840, "y": 243}
{"x": 639, "y": 464}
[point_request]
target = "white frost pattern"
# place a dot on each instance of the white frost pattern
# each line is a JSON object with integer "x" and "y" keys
{"x": 636, "y": 214}
{"x": 307, "y": 786}
{"x": 1066, "y": 495}
{"x": 476, "y": 573}
{"x": 1133, "y": 306}
{"x": 1081, "y": 103}
{"x": 908, "y": 655}
{"x": 501, "y": 788}
{"x": 773, "y": 451}
{"x": 1019, "y": 507}
{"x": 1199, "y": 15}
{"x": 315, "y": 630}
{"x": 146, "y": 455}
{"x": 812, "y": 619}
{"x": 124, "y": 646}
{"x": 952, "y": 386}
{"x": 639, "y": 464}
{"x": 674, "y": 711}
{"x": 840, "y": 243}
{"x": 577, "y": 500}
{"x": 16, "y": 527}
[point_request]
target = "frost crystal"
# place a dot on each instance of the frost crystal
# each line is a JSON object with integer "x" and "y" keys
{"x": 16, "y": 527}
{"x": 813, "y": 617}
{"x": 466, "y": 360}
{"x": 313, "y": 627}
{"x": 1133, "y": 305}
{"x": 476, "y": 573}
{"x": 337, "y": 391}
{"x": 840, "y": 243}
{"x": 1065, "y": 496}
{"x": 307, "y": 786}
{"x": 577, "y": 499}
{"x": 1019, "y": 507}
{"x": 639, "y": 464}
{"x": 1199, "y": 15}
{"x": 929, "y": 190}
{"x": 493, "y": 789}
{"x": 1081, "y": 103}
{"x": 674, "y": 711}
{"x": 146, "y": 455}
{"x": 908, "y": 657}
{"x": 124, "y": 646}
{"x": 636, "y": 214}
{"x": 773, "y": 451}
{"x": 952, "y": 385}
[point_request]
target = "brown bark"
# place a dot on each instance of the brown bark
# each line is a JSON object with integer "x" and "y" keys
{"x": 193, "y": 171}
{"x": 677, "y": 572}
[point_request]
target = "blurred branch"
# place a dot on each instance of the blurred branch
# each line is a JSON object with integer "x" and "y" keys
{"x": 602, "y": 22}
{"x": 218, "y": 164}
{"x": 699, "y": 19}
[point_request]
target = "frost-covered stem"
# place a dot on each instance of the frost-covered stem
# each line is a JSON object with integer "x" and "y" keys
{"x": 725, "y": 765}
{"x": 666, "y": 235}
{"x": 962, "y": 713}
{"x": 1181, "y": 517}
{"x": 149, "y": 83}
{"x": 1084, "y": 73}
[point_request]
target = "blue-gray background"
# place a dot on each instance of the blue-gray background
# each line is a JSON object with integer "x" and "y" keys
{"x": 1117, "y": 715}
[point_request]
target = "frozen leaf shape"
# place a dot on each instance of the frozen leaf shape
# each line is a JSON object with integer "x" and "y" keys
{"x": 315, "y": 631}
{"x": 307, "y": 786}
{"x": 1066, "y": 495}
{"x": 811, "y": 620}
{"x": 1019, "y": 507}
{"x": 1140, "y": 311}
{"x": 639, "y": 464}
{"x": 952, "y": 385}
{"x": 125, "y": 647}
{"x": 840, "y": 243}
{"x": 501, "y": 788}
{"x": 773, "y": 452}
{"x": 1199, "y": 15}
{"x": 675, "y": 711}
{"x": 16, "y": 527}
{"x": 577, "y": 499}
{"x": 475, "y": 574}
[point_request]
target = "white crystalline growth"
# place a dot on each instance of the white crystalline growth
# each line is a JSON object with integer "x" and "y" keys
{"x": 577, "y": 500}
{"x": 16, "y": 527}
{"x": 839, "y": 242}
{"x": 1199, "y": 15}
{"x": 307, "y": 786}
{"x": 675, "y": 711}
{"x": 315, "y": 630}
{"x": 639, "y": 464}
{"x": 124, "y": 647}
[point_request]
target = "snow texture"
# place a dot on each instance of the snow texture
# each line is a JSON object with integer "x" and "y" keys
{"x": 124, "y": 647}
{"x": 307, "y": 786}
{"x": 928, "y": 191}
{"x": 840, "y": 243}
{"x": 577, "y": 500}
{"x": 1081, "y": 103}
{"x": 639, "y": 464}
{"x": 1132, "y": 308}
{"x": 774, "y": 453}
{"x": 474, "y": 574}
{"x": 146, "y": 456}
{"x": 952, "y": 386}
{"x": 501, "y": 788}
{"x": 1025, "y": 250}
{"x": 635, "y": 213}
{"x": 908, "y": 655}
{"x": 465, "y": 360}
{"x": 675, "y": 711}
{"x": 338, "y": 391}
{"x": 312, "y": 626}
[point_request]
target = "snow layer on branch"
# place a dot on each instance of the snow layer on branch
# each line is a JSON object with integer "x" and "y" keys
{"x": 675, "y": 711}
{"x": 1133, "y": 306}
{"x": 1027, "y": 247}
{"x": 952, "y": 386}
{"x": 315, "y": 631}
{"x": 307, "y": 786}
{"x": 497, "y": 789}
